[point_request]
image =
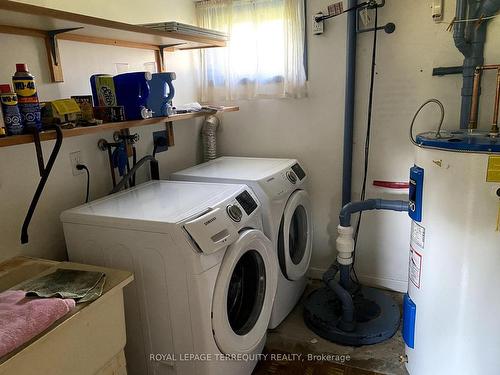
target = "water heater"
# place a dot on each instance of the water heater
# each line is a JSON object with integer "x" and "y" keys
{"x": 451, "y": 314}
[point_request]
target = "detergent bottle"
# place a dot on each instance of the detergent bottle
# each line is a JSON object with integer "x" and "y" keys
{"x": 159, "y": 101}
{"x": 25, "y": 88}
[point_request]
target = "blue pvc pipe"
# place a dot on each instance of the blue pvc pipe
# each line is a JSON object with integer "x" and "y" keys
{"x": 345, "y": 276}
{"x": 347, "y": 322}
{"x": 342, "y": 288}
{"x": 368, "y": 205}
{"x": 350, "y": 86}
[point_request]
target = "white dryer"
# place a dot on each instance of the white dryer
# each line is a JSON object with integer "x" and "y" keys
{"x": 205, "y": 274}
{"x": 286, "y": 209}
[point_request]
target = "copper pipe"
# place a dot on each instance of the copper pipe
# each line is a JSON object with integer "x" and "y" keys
{"x": 489, "y": 67}
{"x": 475, "y": 99}
{"x": 494, "y": 132}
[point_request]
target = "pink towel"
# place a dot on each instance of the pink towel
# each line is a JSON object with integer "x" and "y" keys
{"x": 22, "y": 318}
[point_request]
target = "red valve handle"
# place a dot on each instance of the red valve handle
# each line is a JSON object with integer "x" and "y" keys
{"x": 391, "y": 184}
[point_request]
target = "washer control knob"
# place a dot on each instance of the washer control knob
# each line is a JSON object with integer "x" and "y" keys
{"x": 234, "y": 212}
{"x": 291, "y": 177}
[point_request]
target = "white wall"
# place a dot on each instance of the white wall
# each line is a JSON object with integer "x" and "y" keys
{"x": 309, "y": 129}
{"x": 19, "y": 173}
{"x": 312, "y": 129}
{"x": 130, "y": 11}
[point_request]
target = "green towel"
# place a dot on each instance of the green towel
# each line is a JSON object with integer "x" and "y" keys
{"x": 82, "y": 286}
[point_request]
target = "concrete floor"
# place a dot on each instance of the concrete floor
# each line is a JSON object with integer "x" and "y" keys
{"x": 294, "y": 337}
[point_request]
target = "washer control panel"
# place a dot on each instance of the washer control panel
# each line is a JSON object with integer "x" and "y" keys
{"x": 247, "y": 202}
{"x": 292, "y": 177}
{"x": 234, "y": 212}
{"x": 218, "y": 226}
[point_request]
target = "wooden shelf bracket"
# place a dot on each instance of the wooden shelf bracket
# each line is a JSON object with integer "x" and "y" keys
{"x": 52, "y": 25}
{"x": 160, "y": 57}
{"x": 55, "y": 67}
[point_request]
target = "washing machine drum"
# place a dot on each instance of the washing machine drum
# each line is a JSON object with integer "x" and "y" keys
{"x": 244, "y": 294}
{"x": 295, "y": 236}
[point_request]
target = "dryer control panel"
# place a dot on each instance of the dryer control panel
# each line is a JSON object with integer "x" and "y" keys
{"x": 299, "y": 171}
{"x": 219, "y": 227}
{"x": 284, "y": 182}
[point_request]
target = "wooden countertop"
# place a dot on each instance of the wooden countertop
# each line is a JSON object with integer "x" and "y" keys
{"x": 14, "y": 272}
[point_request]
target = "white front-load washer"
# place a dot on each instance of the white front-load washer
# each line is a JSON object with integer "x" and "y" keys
{"x": 205, "y": 274}
{"x": 280, "y": 186}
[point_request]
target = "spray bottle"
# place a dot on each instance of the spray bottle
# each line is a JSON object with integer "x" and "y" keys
{"x": 25, "y": 88}
{"x": 11, "y": 114}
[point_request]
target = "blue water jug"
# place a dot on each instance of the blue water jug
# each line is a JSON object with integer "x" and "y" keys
{"x": 132, "y": 92}
{"x": 160, "y": 102}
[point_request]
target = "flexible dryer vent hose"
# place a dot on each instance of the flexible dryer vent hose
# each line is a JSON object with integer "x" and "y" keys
{"x": 209, "y": 136}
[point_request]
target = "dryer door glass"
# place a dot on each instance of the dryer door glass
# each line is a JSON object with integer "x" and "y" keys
{"x": 246, "y": 292}
{"x": 295, "y": 236}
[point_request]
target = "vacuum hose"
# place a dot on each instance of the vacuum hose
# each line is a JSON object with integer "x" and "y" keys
{"x": 45, "y": 172}
{"x": 209, "y": 136}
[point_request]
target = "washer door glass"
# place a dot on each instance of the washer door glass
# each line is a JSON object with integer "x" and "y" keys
{"x": 295, "y": 236}
{"x": 244, "y": 294}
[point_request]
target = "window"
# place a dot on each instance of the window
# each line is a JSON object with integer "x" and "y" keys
{"x": 265, "y": 55}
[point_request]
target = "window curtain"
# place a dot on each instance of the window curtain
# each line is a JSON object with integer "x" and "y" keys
{"x": 265, "y": 55}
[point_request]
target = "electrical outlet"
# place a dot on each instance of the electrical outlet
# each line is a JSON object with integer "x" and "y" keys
{"x": 317, "y": 27}
{"x": 161, "y": 146}
{"x": 76, "y": 158}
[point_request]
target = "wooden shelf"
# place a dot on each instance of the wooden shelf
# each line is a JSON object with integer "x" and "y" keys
{"x": 49, "y": 135}
{"x": 25, "y": 19}
{"x": 46, "y": 19}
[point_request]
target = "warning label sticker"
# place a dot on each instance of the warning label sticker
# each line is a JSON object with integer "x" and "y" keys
{"x": 417, "y": 235}
{"x": 493, "y": 169}
{"x": 415, "y": 267}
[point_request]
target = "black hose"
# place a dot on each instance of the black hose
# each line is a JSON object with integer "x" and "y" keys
{"x": 111, "y": 167}
{"x": 43, "y": 180}
{"x": 155, "y": 173}
{"x": 367, "y": 140}
{"x": 134, "y": 162}
{"x": 84, "y": 167}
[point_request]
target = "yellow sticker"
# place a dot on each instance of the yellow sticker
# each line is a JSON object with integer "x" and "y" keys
{"x": 493, "y": 169}
{"x": 8, "y": 99}
{"x": 66, "y": 106}
{"x": 24, "y": 87}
